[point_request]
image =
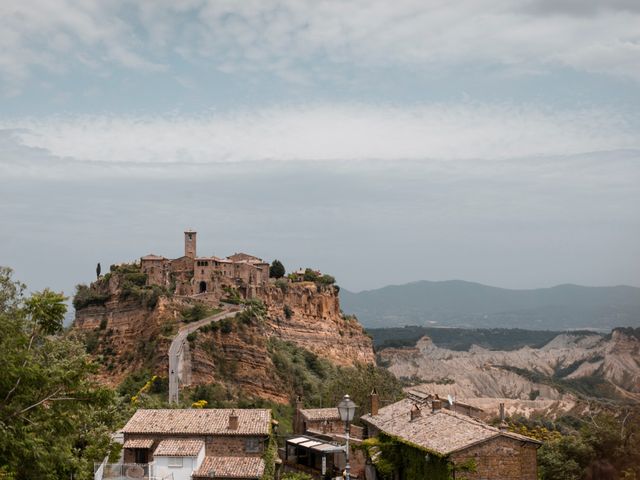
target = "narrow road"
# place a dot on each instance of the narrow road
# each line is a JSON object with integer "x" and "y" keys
{"x": 177, "y": 349}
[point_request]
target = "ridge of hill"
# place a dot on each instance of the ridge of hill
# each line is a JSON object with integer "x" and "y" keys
{"x": 468, "y": 304}
{"x": 567, "y": 369}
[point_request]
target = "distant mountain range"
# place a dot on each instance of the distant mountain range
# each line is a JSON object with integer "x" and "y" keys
{"x": 468, "y": 304}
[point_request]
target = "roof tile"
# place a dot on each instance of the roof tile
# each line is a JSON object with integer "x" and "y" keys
{"x": 199, "y": 421}
{"x": 230, "y": 467}
{"x": 179, "y": 447}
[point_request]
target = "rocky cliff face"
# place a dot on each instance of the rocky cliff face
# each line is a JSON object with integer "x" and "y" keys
{"x": 129, "y": 333}
{"x": 309, "y": 316}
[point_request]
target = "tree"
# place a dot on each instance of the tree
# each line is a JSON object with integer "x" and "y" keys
{"x": 276, "y": 270}
{"x": 54, "y": 421}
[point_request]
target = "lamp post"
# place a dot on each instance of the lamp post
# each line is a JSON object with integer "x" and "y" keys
{"x": 347, "y": 410}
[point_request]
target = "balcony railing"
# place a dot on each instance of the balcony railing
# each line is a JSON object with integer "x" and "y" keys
{"x": 127, "y": 471}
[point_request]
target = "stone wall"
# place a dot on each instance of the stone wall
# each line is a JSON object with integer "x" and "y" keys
{"x": 501, "y": 459}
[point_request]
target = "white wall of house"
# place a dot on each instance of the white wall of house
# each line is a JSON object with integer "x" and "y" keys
{"x": 180, "y": 467}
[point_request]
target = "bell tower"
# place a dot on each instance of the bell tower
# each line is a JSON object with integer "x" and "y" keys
{"x": 190, "y": 244}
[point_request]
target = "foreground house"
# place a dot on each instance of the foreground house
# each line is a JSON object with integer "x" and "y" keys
{"x": 440, "y": 438}
{"x": 194, "y": 444}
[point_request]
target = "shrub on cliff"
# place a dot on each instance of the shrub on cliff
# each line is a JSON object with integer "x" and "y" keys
{"x": 194, "y": 313}
{"x": 87, "y": 296}
{"x": 326, "y": 280}
{"x": 310, "y": 275}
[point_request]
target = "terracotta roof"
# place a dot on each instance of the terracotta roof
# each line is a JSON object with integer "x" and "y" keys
{"x": 244, "y": 258}
{"x": 152, "y": 256}
{"x": 179, "y": 447}
{"x": 442, "y": 431}
{"x": 215, "y": 421}
{"x": 320, "y": 413}
{"x": 231, "y": 467}
{"x": 138, "y": 443}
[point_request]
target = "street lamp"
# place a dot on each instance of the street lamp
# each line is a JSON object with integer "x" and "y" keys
{"x": 347, "y": 410}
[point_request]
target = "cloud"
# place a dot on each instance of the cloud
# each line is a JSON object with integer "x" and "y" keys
{"x": 328, "y": 132}
{"x": 290, "y": 38}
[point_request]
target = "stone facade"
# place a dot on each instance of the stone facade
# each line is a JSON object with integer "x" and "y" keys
{"x": 215, "y": 445}
{"x": 212, "y": 276}
{"x": 501, "y": 458}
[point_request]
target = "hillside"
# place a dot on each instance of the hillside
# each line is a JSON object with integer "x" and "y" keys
{"x": 128, "y": 326}
{"x": 554, "y": 376}
{"x": 466, "y": 304}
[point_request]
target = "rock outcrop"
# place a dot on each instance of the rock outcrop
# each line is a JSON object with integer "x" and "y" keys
{"x": 567, "y": 367}
{"x": 130, "y": 328}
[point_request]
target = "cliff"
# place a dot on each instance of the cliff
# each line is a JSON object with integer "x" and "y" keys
{"x": 128, "y": 326}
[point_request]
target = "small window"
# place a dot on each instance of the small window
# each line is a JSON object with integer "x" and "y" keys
{"x": 175, "y": 462}
{"x": 252, "y": 445}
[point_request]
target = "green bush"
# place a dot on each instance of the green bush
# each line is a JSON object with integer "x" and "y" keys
{"x": 326, "y": 280}
{"x": 226, "y": 325}
{"x": 194, "y": 313}
{"x": 288, "y": 313}
{"x": 296, "y": 476}
{"x": 283, "y": 285}
{"x": 87, "y": 296}
{"x": 310, "y": 275}
{"x": 91, "y": 342}
{"x": 136, "y": 278}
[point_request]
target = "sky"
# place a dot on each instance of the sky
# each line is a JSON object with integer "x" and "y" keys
{"x": 495, "y": 141}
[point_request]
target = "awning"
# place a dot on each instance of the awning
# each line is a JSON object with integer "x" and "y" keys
{"x": 315, "y": 444}
{"x": 309, "y": 444}
{"x": 138, "y": 443}
{"x": 328, "y": 448}
{"x": 297, "y": 440}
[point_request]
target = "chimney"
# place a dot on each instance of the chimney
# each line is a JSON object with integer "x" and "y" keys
{"x": 374, "y": 402}
{"x": 233, "y": 420}
{"x": 415, "y": 412}
{"x": 503, "y": 425}
{"x": 436, "y": 404}
{"x": 297, "y": 416}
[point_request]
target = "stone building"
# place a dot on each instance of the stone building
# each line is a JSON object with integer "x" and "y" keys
{"x": 496, "y": 453}
{"x": 317, "y": 447}
{"x": 210, "y": 276}
{"x": 199, "y": 443}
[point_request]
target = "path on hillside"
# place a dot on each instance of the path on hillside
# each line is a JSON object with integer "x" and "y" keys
{"x": 179, "y": 371}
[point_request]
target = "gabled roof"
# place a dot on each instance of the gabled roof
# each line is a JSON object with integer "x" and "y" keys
{"x": 153, "y": 256}
{"x": 442, "y": 432}
{"x": 244, "y": 257}
{"x": 215, "y": 421}
{"x": 179, "y": 447}
{"x": 314, "y": 414}
{"x": 230, "y": 467}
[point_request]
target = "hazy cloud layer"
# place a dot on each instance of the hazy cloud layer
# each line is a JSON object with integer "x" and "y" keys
{"x": 297, "y": 39}
{"x": 323, "y": 133}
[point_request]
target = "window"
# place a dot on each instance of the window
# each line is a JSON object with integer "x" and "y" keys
{"x": 252, "y": 445}
{"x": 175, "y": 462}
